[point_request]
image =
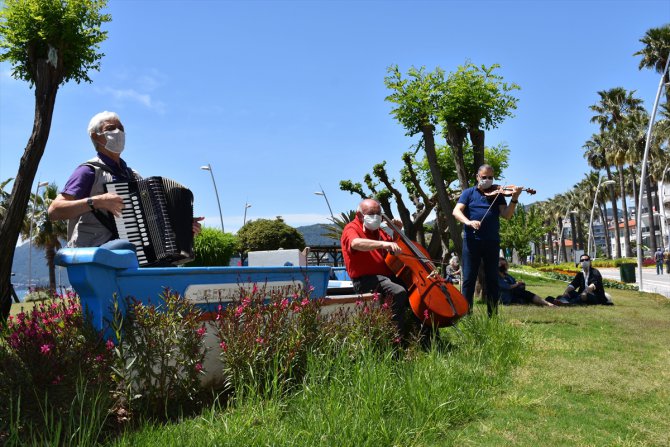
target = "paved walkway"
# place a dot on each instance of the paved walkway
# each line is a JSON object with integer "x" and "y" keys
{"x": 652, "y": 281}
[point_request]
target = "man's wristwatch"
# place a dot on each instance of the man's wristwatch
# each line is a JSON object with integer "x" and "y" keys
{"x": 89, "y": 202}
{"x": 514, "y": 201}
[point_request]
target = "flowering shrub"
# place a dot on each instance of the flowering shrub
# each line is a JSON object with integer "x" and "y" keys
{"x": 265, "y": 335}
{"x": 368, "y": 325}
{"x": 158, "y": 361}
{"x": 45, "y": 352}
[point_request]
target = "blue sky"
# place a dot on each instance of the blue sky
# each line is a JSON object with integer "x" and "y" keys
{"x": 283, "y": 96}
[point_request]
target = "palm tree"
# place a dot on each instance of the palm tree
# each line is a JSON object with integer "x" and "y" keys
{"x": 611, "y": 111}
{"x": 655, "y": 53}
{"x": 47, "y": 234}
{"x": 334, "y": 230}
{"x": 595, "y": 154}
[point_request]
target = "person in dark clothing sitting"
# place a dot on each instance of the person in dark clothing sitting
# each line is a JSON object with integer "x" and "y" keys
{"x": 513, "y": 291}
{"x": 586, "y": 287}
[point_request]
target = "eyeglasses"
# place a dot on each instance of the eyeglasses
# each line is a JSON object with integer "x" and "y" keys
{"x": 484, "y": 177}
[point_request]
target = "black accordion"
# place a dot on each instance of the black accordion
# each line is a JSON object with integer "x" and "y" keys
{"x": 157, "y": 217}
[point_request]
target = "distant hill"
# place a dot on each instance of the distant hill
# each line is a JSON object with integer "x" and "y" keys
{"x": 314, "y": 235}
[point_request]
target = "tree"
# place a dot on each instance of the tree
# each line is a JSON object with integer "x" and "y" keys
{"x": 417, "y": 102}
{"x": 611, "y": 111}
{"x": 334, "y": 230}
{"x": 47, "y": 234}
{"x": 48, "y": 43}
{"x": 474, "y": 99}
{"x": 266, "y": 234}
{"x": 524, "y": 227}
{"x": 655, "y": 53}
{"x": 595, "y": 154}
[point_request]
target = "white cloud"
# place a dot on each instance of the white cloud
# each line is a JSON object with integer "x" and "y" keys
{"x": 130, "y": 94}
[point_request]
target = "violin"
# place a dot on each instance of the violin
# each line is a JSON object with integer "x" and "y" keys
{"x": 433, "y": 300}
{"x": 506, "y": 190}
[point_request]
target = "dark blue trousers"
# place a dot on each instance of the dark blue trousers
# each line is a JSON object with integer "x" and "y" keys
{"x": 474, "y": 253}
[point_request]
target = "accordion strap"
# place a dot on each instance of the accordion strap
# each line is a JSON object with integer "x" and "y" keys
{"x": 105, "y": 219}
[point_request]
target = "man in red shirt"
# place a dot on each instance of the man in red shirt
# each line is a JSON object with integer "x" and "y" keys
{"x": 364, "y": 247}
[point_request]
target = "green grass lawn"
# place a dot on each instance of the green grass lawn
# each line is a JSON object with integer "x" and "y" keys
{"x": 587, "y": 376}
{"x": 596, "y": 376}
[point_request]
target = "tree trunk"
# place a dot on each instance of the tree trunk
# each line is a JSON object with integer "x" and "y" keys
{"x": 456, "y": 139}
{"x": 652, "y": 224}
{"x": 550, "y": 243}
{"x": 573, "y": 234}
{"x": 46, "y": 88}
{"x": 50, "y": 255}
{"x": 562, "y": 249}
{"x": 580, "y": 232}
{"x": 543, "y": 251}
{"x": 442, "y": 198}
{"x": 624, "y": 209}
{"x": 615, "y": 211}
{"x": 603, "y": 217}
{"x": 477, "y": 138}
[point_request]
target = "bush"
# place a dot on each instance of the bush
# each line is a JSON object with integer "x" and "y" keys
{"x": 213, "y": 247}
{"x": 45, "y": 355}
{"x": 158, "y": 360}
{"x": 265, "y": 234}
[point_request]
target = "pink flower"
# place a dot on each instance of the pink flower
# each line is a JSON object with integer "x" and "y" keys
{"x": 45, "y": 349}
{"x": 98, "y": 358}
{"x": 366, "y": 310}
{"x": 201, "y": 332}
{"x": 311, "y": 288}
{"x": 284, "y": 303}
{"x": 375, "y": 296}
{"x": 385, "y": 306}
{"x": 239, "y": 311}
{"x": 198, "y": 367}
{"x": 425, "y": 314}
{"x": 260, "y": 340}
{"x": 224, "y": 346}
{"x": 57, "y": 380}
{"x": 304, "y": 302}
{"x": 396, "y": 340}
{"x": 255, "y": 289}
{"x": 109, "y": 345}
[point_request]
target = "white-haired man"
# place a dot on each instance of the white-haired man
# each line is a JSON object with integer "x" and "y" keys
{"x": 83, "y": 200}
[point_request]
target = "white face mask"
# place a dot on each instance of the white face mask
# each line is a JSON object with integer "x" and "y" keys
{"x": 372, "y": 222}
{"x": 485, "y": 183}
{"x": 115, "y": 140}
{"x": 586, "y": 264}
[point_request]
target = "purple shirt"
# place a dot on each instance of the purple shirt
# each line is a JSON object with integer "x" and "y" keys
{"x": 81, "y": 181}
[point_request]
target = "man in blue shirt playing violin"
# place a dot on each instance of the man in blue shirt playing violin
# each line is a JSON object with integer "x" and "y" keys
{"x": 479, "y": 209}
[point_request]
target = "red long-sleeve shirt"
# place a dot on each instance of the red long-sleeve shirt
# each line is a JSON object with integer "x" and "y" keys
{"x": 362, "y": 263}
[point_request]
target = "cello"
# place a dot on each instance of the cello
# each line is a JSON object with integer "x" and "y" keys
{"x": 432, "y": 299}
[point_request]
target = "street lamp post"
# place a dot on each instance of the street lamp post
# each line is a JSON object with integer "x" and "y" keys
{"x": 247, "y": 205}
{"x": 595, "y": 200}
{"x": 216, "y": 191}
{"x": 643, "y": 173}
{"x": 323, "y": 193}
{"x": 30, "y": 234}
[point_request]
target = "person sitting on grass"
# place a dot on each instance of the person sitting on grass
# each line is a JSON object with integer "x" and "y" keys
{"x": 586, "y": 287}
{"x": 513, "y": 291}
{"x": 453, "y": 271}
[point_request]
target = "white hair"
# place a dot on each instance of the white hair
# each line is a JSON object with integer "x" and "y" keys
{"x": 97, "y": 120}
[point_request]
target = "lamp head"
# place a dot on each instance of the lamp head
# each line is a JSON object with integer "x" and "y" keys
{"x": 205, "y": 168}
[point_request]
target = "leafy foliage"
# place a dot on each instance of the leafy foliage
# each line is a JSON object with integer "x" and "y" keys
{"x": 67, "y": 33}
{"x": 213, "y": 247}
{"x": 524, "y": 227}
{"x": 266, "y": 234}
{"x": 334, "y": 230}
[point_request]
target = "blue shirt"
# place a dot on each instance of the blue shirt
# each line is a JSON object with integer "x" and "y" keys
{"x": 484, "y": 209}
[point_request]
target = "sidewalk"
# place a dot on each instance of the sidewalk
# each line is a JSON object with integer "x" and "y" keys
{"x": 652, "y": 281}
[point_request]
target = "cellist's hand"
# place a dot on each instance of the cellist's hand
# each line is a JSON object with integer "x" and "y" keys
{"x": 397, "y": 223}
{"x": 391, "y": 246}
